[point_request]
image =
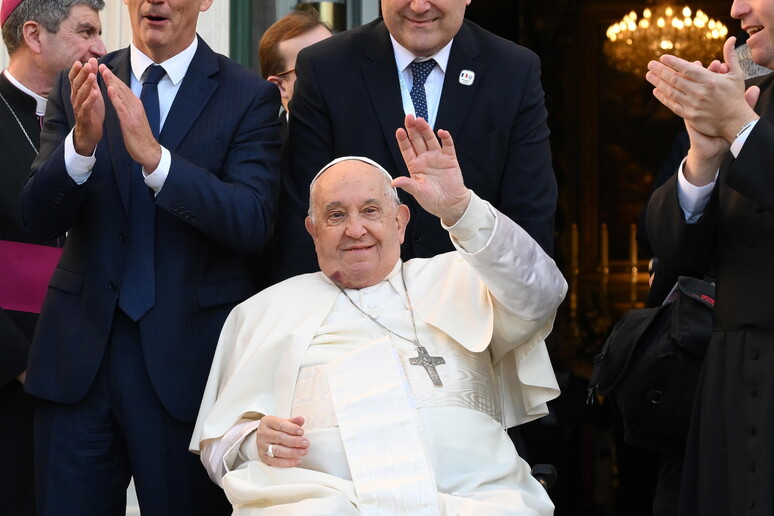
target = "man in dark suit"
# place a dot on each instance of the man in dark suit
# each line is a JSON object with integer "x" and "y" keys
{"x": 279, "y": 47}
{"x": 715, "y": 217}
{"x": 42, "y": 37}
{"x": 159, "y": 233}
{"x": 354, "y": 90}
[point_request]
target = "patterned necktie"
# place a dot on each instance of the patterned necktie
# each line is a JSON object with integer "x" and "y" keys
{"x": 138, "y": 287}
{"x": 420, "y": 71}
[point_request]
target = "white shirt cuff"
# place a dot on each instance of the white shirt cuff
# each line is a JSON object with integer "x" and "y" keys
{"x": 78, "y": 167}
{"x": 248, "y": 450}
{"x": 693, "y": 199}
{"x": 222, "y": 455}
{"x": 155, "y": 179}
{"x": 736, "y": 147}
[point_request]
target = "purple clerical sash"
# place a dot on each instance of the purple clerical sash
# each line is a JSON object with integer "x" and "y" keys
{"x": 25, "y": 270}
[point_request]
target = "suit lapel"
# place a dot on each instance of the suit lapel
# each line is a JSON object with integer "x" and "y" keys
{"x": 381, "y": 79}
{"x": 457, "y": 98}
{"x": 122, "y": 162}
{"x": 193, "y": 95}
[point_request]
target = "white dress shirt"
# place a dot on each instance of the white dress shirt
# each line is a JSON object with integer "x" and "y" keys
{"x": 433, "y": 84}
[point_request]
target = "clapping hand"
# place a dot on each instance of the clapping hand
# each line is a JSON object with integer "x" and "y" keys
{"x": 88, "y": 106}
{"x": 712, "y": 101}
{"x": 138, "y": 137}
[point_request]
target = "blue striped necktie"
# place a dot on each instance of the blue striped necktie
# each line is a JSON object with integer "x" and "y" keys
{"x": 138, "y": 287}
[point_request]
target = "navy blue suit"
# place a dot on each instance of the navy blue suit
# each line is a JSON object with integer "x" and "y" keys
{"x": 347, "y": 101}
{"x": 216, "y": 207}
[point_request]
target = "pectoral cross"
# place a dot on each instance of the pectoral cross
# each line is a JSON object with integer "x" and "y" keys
{"x": 425, "y": 360}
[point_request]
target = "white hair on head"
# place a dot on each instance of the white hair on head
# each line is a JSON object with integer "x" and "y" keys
{"x": 392, "y": 191}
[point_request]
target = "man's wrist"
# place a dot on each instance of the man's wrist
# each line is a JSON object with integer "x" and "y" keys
{"x": 82, "y": 148}
{"x": 457, "y": 211}
{"x": 153, "y": 163}
{"x": 78, "y": 167}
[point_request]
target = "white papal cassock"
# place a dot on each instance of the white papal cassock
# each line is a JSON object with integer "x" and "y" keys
{"x": 383, "y": 439}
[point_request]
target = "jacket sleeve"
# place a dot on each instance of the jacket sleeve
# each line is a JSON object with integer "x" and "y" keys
{"x": 50, "y": 199}
{"x": 232, "y": 201}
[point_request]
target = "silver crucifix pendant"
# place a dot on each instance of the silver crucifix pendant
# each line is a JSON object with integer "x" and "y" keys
{"x": 425, "y": 360}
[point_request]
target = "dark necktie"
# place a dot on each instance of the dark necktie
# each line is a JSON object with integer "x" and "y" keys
{"x": 138, "y": 288}
{"x": 420, "y": 71}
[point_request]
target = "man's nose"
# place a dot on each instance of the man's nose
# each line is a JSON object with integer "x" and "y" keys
{"x": 739, "y": 8}
{"x": 97, "y": 47}
{"x": 355, "y": 227}
{"x": 420, "y": 6}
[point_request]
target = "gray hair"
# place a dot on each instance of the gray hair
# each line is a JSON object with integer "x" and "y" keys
{"x": 391, "y": 191}
{"x": 750, "y": 67}
{"x": 49, "y": 13}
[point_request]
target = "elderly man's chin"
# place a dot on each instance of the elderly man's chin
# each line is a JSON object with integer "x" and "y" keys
{"x": 359, "y": 274}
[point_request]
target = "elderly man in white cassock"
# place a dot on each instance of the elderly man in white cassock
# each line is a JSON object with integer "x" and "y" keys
{"x": 382, "y": 387}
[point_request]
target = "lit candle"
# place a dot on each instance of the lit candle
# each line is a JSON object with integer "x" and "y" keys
{"x": 633, "y": 258}
{"x": 604, "y": 249}
{"x": 574, "y": 249}
{"x": 633, "y": 244}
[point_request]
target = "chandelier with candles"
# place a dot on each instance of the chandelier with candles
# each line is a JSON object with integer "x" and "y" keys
{"x": 634, "y": 41}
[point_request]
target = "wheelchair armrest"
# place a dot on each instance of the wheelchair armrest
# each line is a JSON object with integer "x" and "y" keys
{"x": 546, "y": 474}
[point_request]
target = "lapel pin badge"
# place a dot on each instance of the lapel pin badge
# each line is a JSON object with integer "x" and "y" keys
{"x": 467, "y": 77}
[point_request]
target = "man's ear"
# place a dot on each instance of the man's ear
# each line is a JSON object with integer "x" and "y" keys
{"x": 204, "y": 5}
{"x": 31, "y": 32}
{"x": 310, "y": 227}
{"x": 403, "y": 215}
{"x": 283, "y": 92}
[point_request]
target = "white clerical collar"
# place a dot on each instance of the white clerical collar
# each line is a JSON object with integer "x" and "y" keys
{"x": 404, "y": 57}
{"x": 175, "y": 66}
{"x": 40, "y": 108}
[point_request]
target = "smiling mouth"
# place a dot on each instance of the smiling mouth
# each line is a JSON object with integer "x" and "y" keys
{"x": 754, "y": 30}
{"x": 421, "y": 22}
{"x": 359, "y": 248}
